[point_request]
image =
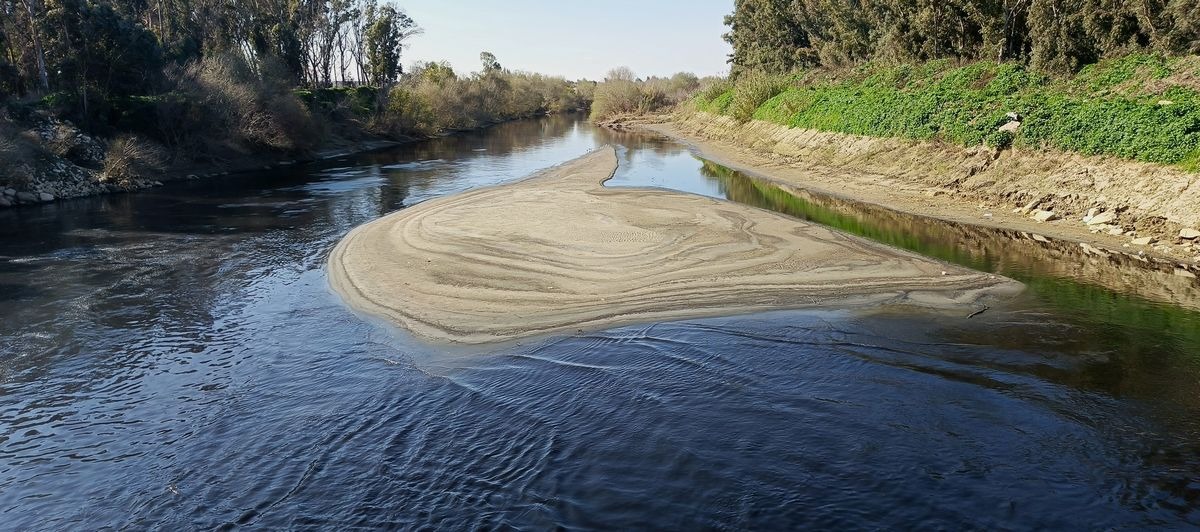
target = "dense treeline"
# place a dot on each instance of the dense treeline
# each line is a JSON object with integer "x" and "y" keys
{"x": 1098, "y": 77}
{"x": 434, "y": 98}
{"x": 1052, "y": 36}
{"x": 92, "y": 52}
{"x": 1141, "y": 107}
{"x": 122, "y": 46}
{"x": 163, "y": 82}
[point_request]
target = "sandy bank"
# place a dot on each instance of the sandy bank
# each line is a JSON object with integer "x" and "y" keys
{"x": 560, "y": 252}
{"x": 971, "y": 185}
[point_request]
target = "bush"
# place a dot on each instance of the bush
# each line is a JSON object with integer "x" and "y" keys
{"x": 341, "y": 103}
{"x": 615, "y": 98}
{"x": 423, "y": 104}
{"x": 622, "y": 93}
{"x": 408, "y": 114}
{"x": 753, "y": 90}
{"x": 130, "y": 158}
{"x": 714, "y": 89}
{"x": 226, "y": 99}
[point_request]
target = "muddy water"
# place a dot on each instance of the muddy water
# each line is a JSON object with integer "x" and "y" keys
{"x": 174, "y": 359}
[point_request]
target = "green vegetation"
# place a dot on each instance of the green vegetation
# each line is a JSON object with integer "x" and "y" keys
{"x": 1090, "y": 76}
{"x": 1105, "y": 309}
{"x": 98, "y": 49}
{"x": 1051, "y": 36}
{"x": 434, "y": 98}
{"x": 1141, "y": 107}
{"x": 199, "y": 81}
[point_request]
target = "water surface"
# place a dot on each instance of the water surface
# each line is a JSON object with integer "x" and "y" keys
{"x": 174, "y": 359}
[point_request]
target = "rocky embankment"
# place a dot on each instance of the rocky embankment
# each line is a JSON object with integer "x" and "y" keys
{"x": 70, "y": 165}
{"x": 57, "y": 160}
{"x": 1120, "y": 205}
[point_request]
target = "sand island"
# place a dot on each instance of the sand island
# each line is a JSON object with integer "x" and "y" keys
{"x": 560, "y": 252}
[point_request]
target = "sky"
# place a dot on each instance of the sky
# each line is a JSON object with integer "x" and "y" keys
{"x": 573, "y": 38}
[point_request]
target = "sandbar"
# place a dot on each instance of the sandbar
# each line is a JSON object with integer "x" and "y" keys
{"x": 559, "y": 252}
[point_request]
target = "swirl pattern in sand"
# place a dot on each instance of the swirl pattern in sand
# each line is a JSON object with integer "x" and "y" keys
{"x": 559, "y": 252}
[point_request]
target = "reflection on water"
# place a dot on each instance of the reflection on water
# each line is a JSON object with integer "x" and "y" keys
{"x": 174, "y": 359}
{"x": 1122, "y": 300}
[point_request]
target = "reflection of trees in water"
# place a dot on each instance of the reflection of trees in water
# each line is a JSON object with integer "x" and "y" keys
{"x": 500, "y": 139}
{"x": 638, "y": 142}
{"x": 1111, "y": 298}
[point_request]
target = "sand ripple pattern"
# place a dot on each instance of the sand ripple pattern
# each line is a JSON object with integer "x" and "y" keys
{"x": 559, "y": 252}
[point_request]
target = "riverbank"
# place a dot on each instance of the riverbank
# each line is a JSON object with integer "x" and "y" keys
{"x": 79, "y": 171}
{"x": 559, "y": 252}
{"x": 221, "y": 117}
{"x": 62, "y": 178}
{"x": 1140, "y": 209}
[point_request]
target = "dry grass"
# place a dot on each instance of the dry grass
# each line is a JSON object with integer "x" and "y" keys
{"x": 424, "y": 105}
{"x": 228, "y": 99}
{"x": 622, "y": 94}
{"x": 130, "y": 158}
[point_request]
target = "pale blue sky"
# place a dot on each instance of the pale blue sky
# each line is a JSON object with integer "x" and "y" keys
{"x": 573, "y": 38}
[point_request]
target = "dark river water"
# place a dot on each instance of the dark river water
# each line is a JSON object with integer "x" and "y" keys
{"x": 174, "y": 359}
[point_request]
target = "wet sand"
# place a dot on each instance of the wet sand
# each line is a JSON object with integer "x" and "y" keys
{"x": 558, "y": 252}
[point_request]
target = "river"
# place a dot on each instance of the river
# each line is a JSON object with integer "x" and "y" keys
{"x": 175, "y": 359}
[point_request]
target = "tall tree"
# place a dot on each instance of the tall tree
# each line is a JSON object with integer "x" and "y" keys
{"x": 766, "y": 36}
{"x": 34, "y": 13}
{"x": 489, "y": 62}
{"x": 386, "y": 31}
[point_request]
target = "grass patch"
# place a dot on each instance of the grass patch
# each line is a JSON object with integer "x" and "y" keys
{"x": 1120, "y": 107}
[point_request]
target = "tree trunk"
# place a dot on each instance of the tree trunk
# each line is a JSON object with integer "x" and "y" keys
{"x": 38, "y": 51}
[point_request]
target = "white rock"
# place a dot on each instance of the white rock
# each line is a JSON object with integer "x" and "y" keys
{"x": 45, "y": 197}
{"x": 1116, "y": 231}
{"x": 10, "y": 192}
{"x": 1105, "y": 217}
{"x": 1143, "y": 241}
{"x": 1184, "y": 273}
{"x": 1010, "y": 127}
{"x": 1088, "y": 248}
{"x": 1188, "y": 233}
{"x": 1044, "y": 216}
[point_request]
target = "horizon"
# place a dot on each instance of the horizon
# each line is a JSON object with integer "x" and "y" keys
{"x": 551, "y": 42}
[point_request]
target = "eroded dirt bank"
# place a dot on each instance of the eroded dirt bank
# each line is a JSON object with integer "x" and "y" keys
{"x": 1134, "y": 208}
{"x": 560, "y": 252}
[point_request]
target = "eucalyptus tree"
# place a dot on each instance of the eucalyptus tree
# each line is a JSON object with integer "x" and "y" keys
{"x": 387, "y": 29}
